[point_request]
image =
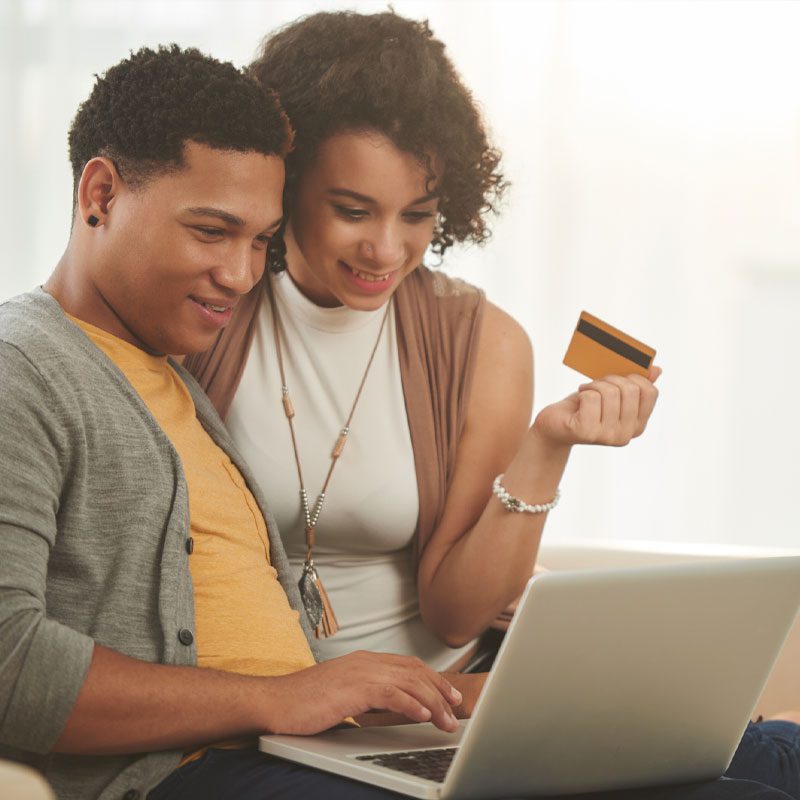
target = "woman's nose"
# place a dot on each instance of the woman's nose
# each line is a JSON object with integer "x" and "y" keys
{"x": 386, "y": 249}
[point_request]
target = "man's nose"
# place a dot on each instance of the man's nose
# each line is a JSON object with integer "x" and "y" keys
{"x": 241, "y": 268}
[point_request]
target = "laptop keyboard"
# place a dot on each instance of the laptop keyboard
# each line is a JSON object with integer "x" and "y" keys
{"x": 431, "y": 764}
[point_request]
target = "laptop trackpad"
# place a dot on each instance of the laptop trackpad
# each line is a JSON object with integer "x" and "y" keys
{"x": 344, "y": 742}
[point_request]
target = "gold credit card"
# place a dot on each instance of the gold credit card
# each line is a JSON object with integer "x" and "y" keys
{"x": 597, "y": 349}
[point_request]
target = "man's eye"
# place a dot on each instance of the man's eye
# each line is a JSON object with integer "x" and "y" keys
{"x": 208, "y": 232}
{"x": 350, "y": 213}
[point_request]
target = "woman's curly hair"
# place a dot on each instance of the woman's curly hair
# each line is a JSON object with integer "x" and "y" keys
{"x": 343, "y": 71}
{"x": 143, "y": 109}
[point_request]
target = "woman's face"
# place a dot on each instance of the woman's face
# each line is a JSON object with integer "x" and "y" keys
{"x": 363, "y": 217}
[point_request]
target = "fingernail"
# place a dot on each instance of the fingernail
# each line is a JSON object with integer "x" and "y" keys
{"x": 455, "y": 695}
{"x": 452, "y": 719}
{"x": 426, "y": 713}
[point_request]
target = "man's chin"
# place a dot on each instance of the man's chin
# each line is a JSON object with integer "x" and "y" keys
{"x": 181, "y": 346}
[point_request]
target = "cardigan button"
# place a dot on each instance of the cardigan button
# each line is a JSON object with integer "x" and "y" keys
{"x": 185, "y": 636}
{"x": 190, "y": 545}
{"x": 132, "y": 794}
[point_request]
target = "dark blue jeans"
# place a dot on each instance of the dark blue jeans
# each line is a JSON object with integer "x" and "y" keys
{"x": 767, "y": 757}
{"x": 770, "y": 753}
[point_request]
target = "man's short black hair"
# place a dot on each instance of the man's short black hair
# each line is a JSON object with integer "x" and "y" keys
{"x": 143, "y": 110}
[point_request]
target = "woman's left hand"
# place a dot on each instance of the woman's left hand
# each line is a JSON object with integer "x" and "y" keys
{"x": 611, "y": 411}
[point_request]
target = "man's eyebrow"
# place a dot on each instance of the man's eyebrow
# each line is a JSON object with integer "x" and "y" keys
{"x": 363, "y": 198}
{"x": 274, "y": 225}
{"x": 225, "y": 216}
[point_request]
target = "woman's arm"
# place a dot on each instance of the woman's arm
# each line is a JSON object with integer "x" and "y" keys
{"x": 481, "y": 555}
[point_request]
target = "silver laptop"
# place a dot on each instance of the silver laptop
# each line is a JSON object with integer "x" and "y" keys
{"x": 607, "y": 679}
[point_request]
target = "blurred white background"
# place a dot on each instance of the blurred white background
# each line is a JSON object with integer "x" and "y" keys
{"x": 654, "y": 152}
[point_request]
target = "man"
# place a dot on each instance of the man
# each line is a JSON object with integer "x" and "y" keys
{"x": 146, "y": 613}
{"x": 113, "y": 582}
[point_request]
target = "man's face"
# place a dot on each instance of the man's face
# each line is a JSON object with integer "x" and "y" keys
{"x": 178, "y": 253}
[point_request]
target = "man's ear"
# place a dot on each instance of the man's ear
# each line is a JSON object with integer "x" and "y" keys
{"x": 99, "y": 184}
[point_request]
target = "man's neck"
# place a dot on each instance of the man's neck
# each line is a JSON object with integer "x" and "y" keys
{"x": 74, "y": 291}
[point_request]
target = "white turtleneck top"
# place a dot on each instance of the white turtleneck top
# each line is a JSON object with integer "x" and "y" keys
{"x": 363, "y": 549}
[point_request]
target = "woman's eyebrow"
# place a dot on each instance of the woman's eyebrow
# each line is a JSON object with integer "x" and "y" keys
{"x": 424, "y": 198}
{"x": 363, "y": 198}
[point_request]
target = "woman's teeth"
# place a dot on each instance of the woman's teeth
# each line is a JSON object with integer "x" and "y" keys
{"x": 369, "y": 277}
{"x": 218, "y": 309}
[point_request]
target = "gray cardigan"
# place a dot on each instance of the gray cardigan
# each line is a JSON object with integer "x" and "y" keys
{"x": 94, "y": 517}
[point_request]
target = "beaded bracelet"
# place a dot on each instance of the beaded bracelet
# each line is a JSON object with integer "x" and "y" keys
{"x": 512, "y": 503}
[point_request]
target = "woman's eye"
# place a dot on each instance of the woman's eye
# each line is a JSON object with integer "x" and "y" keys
{"x": 353, "y": 214}
{"x": 418, "y": 216}
{"x": 262, "y": 242}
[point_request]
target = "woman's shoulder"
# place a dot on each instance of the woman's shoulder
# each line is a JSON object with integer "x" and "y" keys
{"x": 433, "y": 300}
{"x": 503, "y": 338}
{"x": 440, "y": 285}
{"x": 458, "y": 300}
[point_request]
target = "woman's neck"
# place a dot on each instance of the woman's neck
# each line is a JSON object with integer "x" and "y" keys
{"x": 303, "y": 276}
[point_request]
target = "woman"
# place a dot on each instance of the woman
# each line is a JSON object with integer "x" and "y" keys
{"x": 391, "y": 158}
{"x": 351, "y": 348}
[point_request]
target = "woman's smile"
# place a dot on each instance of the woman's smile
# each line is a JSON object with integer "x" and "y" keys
{"x": 364, "y": 216}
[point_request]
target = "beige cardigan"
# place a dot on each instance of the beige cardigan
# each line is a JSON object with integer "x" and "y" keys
{"x": 438, "y": 321}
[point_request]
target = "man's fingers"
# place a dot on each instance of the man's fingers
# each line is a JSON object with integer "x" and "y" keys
{"x": 415, "y": 700}
{"x": 388, "y": 697}
{"x": 448, "y": 691}
{"x": 406, "y": 685}
{"x": 318, "y": 697}
{"x": 418, "y": 667}
{"x": 433, "y": 691}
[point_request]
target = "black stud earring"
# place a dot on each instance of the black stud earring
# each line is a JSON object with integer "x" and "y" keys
{"x": 92, "y": 220}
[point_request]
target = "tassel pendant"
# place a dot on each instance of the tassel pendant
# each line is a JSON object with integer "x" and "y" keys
{"x": 316, "y": 602}
{"x": 315, "y": 599}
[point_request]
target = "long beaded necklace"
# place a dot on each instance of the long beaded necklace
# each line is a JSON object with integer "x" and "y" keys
{"x": 312, "y": 592}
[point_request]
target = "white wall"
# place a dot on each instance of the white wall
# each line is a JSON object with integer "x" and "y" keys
{"x": 654, "y": 150}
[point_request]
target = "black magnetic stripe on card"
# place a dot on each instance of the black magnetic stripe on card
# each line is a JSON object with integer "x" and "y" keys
{"x": 611, "y": 342}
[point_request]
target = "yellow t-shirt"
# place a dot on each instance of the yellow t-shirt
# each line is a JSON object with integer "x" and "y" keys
{"x": 243, "y": 620}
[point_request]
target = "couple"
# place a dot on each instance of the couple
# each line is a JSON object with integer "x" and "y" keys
{"x": 135, "y": 542}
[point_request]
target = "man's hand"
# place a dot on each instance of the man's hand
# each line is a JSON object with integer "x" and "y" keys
{"x": 469, "y": 685}
{"x": 131, "y": 706}
{"x": 319, "y": 697}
